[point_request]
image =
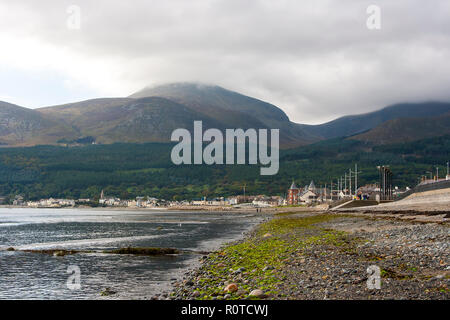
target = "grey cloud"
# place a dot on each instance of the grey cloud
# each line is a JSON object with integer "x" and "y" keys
{"x": 314, "y": 59}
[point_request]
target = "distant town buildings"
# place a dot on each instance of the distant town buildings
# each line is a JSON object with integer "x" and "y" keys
{"x": 18, "y": 201}
{"x": 267, "y": 201}
{"x": 51, "y": 203}
{"x": 293, "y": 194}
{"x": 307, "y": 195}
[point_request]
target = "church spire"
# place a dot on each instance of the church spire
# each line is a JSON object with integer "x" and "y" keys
{"x": 293, "y": 186}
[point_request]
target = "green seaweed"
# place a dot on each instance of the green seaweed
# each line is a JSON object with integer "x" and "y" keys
{"x": 256, "y": 253}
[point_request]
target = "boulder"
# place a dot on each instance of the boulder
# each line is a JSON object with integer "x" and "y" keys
{"x": 258, "y": 294}
{"x": 232, "y": 287}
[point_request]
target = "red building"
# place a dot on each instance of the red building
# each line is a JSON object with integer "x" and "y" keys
{"x": 293, "y": 194}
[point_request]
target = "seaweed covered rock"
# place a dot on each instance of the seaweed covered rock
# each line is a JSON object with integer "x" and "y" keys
{"x": 144, "y": 251}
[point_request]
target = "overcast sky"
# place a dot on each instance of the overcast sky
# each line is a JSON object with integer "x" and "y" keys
{"x": 316, "y": 60}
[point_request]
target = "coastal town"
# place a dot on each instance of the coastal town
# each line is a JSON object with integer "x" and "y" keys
{"x": 342, "y": 189}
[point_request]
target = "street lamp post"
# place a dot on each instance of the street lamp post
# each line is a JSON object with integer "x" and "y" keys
{"x": 385, "y": 182}
{"x": 448, "y": 174}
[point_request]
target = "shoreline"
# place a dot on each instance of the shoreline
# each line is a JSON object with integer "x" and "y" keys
{"x": 196, "y": 261}
{"x": 184, "y": 208}
{"x": 318, "y": 255}
{"x": 188, "y": 256}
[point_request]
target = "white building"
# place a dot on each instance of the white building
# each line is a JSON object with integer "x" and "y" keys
{"x": 308, "y": 196}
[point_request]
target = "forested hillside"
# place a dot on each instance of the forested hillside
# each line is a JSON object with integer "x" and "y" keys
{"x": 129, "y": 170}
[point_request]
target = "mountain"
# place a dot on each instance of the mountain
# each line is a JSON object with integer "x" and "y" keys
{"x": 356, "y": 124}
{"x": 150, "y": 119}
{"x": 406, "y": 129}
{"x": 232, "y": 109}
{"x": 216, "y": 100}
{"x": 152, "y": 114}
{"x": 24, "y": 127}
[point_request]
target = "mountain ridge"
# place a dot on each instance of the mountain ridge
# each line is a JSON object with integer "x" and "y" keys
{"x": 367, "y": 121}
{"x": 23, "y": 127}
{"x": 406, "y": 130}
{"x": 151, "y": 114}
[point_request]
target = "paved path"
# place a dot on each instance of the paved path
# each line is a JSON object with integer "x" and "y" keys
{"x": 429, "y": 201}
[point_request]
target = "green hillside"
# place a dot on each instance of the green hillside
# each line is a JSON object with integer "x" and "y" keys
{"x": 23, "y": 127}
{"x": 129, "y": 170}
{"x": 355, "y": 124}
{"x": 407, "y": 129}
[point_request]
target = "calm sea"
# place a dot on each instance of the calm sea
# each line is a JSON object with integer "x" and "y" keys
{"x": 39, "y": 276}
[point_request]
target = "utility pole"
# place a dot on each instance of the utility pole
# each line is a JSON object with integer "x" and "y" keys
{"x": 385, "y": 183}
{"x": 350, "y": 183}
{"x": 345, "y": 184}
{"x": 331, "y": 193}
{"x": 339, "y": 187}
{"x": 437, "y": 173}
{"x": 356, "y": 178}
{"x": 448, "y": 174}
{"x": 379, "y": 181}
{"x": 331, "y": 190}
{"x": 244, "y": 192}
